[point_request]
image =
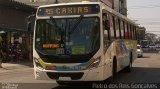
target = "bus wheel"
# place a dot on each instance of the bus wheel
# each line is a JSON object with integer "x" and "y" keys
{"x": 129, "y": 67}
{"x": 114, "y": 70}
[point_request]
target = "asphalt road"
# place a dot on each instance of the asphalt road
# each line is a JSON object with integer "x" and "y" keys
{"x": 145, "y": 70}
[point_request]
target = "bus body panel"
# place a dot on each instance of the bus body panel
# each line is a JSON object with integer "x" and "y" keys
{"x": 89, "y": 75}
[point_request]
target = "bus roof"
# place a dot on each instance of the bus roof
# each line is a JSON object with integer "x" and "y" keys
{"x": 83, "y": 2}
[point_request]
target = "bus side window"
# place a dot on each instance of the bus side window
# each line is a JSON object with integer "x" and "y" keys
{"x": 106, "y": 23}
{"x": 122, "y": 29}
{"x": 106, "y": 29}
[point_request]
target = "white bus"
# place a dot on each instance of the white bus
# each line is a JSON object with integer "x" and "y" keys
{"x": 82, "y": 41}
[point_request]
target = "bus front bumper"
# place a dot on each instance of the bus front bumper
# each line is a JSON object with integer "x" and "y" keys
{"x": 95, "y": 74}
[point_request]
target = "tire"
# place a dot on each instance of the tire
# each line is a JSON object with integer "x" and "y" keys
{"x": 129, "y": 67}
{"x": 142, "y": 56}
{"x": 114, "y": 70}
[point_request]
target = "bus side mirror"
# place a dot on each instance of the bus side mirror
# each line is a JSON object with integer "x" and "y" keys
{"x": 29, "y": 26}
{"x": 105, "y": 22}
{"x": 106, "y": 25}
{"x": 29, "y": 22}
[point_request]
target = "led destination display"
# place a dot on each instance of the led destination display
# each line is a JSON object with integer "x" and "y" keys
{"x": 68, "y": 10}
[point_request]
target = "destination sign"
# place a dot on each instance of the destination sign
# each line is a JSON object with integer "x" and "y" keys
{"x": 68, "y": 10}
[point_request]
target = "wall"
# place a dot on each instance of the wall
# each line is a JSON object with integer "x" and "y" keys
{"x": 13, "y": 19}
{"x": 121, "y": 6}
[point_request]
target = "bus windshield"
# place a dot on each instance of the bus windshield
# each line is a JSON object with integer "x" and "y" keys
{"x": 60, "y": 37}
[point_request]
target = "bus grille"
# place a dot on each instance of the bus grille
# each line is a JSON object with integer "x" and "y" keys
{"x": 73, "y": 76}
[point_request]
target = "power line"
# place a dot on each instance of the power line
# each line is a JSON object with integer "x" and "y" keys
{"x": 153, "y": 31}
{"x": 144, "y": 7}
{"x": 150, "y": 22}
{"x": 151, "y": 5}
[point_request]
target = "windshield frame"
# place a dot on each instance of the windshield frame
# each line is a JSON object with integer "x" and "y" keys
{"x": 99, "y": 28}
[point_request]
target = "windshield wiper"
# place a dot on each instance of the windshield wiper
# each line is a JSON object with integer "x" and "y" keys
{"x": 76, "y": 24}
{"x": 54, "y": 21}
{"x": 59, "y": 29}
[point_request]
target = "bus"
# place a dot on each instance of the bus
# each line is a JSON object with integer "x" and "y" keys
{"x": 144, "y": 43}
{"x": 82, "y": 41}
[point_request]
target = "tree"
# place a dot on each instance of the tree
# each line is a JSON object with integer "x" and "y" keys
{"x": 151, "y": 37}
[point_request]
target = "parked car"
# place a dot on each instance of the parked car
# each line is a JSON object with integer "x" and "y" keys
{"x": 139, "y": 51}
{"x": 152, "y": 47}
{"x": 157, "y": 45}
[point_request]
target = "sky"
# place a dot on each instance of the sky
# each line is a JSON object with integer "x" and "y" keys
{"x": 146, "y": 13}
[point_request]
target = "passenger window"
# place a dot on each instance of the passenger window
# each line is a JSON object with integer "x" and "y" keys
{"x": 106, "y": 30}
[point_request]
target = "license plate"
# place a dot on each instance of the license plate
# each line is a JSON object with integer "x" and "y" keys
{"x": 64, "y": 78}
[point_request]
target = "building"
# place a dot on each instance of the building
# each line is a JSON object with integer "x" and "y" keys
{"x": 13, "y": 18}
{"x": 120, "y": 6}
{"x": 13, "y": 15}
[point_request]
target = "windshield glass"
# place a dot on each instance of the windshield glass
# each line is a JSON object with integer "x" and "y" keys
{"x": 61, "y": 37}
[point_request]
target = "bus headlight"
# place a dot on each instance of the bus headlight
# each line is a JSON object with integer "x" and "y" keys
{"x": 38, "y": 64}
{"x": 95, "y": 63}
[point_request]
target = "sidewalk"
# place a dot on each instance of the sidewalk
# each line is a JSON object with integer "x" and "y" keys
{"x": 15, "y": 66}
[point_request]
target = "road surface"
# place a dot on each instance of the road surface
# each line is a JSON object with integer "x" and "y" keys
{"x": 145, "y": 70}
